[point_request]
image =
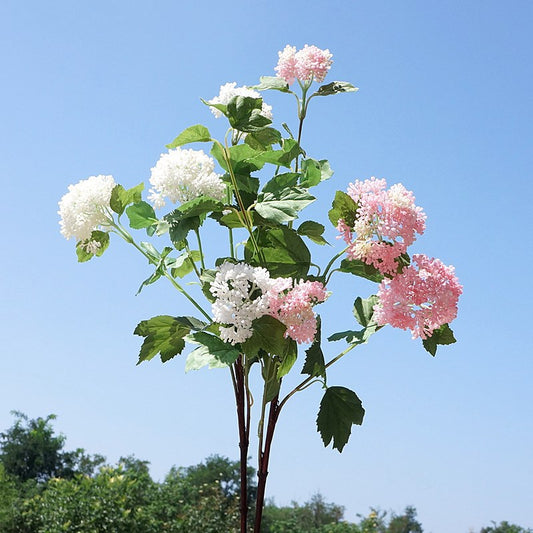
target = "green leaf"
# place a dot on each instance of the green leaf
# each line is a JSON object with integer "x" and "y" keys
{"x": 141, "y": 215}
{"x": 335, "y": 87}
{"x": 283, "y": 206}
{"x": 192, "y": 134}
{"x": 192, "y": 322}
{"x": 339, "y": 409}
{"x": 220, "y": 107}
{"x": 120, "y": 197}
{"x": 184, "y": 264}
{"x": 207, "y": 277}
{"x": 269, "y": 372}
{"x": 361, "y": 269}
{"x": 443, "y": 335}
{"x": 343, "y": 206}
{"x": 244, "y": 114}
{"x": 288, "y": 358}
{"x": 179, "y": 226}
{"x": 355, "y": 337}
{"x": 212, "y": 351}
{"x": 313, "y": 172}
{"x": 101, "y": 237}
{"x": 289, "y": 151}
{"x": 164, "y": 335}
{"x": 268, "y": 335}
{"x": 263, "y": 139}
{"x": 272, "y": 83}
{"x": 363, "y": 310}
{"x": 315, "y": 364}
{"x": 199, "y": 206}
{"x": 313, "y": 230}
{"x": 283, "y": 250}
{"x": 281, "y": 181}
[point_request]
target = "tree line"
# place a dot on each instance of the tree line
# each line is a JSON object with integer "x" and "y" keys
{"x": 46, "y": 489}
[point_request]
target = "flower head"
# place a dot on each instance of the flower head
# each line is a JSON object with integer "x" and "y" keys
{"x": 182, "y": 175}
{"x": 386, "y": 223}
{"x": 240, "y": 292}
{"x": 85, "y": 207}
{"x": 422, "y": 298}
{"x": 292, "y": 304}
{"x": 309, "y": 63}
{"x": 229, "y": 91}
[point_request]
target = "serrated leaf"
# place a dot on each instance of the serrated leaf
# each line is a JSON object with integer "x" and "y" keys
{"x": 283, "y": 206}
{"x": 268, "y": 335}
{"x": 361, "y": 269}
{"x": 355, "y": 337}
{"x": 120, "y": 197}
{"x": 199, "y": 206}
{"x": 267, "y": 83}
{"x": 363, "y": 310}
{"x": 284, "y": 157}
{"x": 212, "y": 351}
{"x": 283, "y": 250}
{"x": 164, "y": 335}
{"x": 313, "y": 230}
{"x": 314, "y": 172}
{"x": 343, "y": 207}
{"x": 335, "y": 87}
{"x": 244, "y": 114}
{"x": 192, "y": 134}
{"x": 315, "y": 364}
{"x": 281, "y": 181}
{"x": 340, "y": 408}
{"x": 141, "y": 215}
{"x": 263, "y": 139}
{"x": 443, "y": 335}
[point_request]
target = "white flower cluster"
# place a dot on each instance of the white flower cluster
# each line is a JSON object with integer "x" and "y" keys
{"x": 182, "y": 175}
{"x": 241, "y": 297}
{"x": 84, "y": 208}
{"x": 229, "y": 91}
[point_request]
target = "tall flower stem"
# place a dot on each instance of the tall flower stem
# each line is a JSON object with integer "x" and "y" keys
{"x": 264, "y": 458}
{"x": 240, "y": 399}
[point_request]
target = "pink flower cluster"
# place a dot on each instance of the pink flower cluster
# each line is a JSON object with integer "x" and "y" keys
{"x": 309, "y": 63}
{"x": 422, "y": 298}
{"x": 292, "y": 304}
{"x": 386, "y": 223}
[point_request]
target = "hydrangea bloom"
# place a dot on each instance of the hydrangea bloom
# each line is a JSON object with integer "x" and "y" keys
{"x": 422, "y": 298}
{"x": 229, "y": 91}
{"x": 292, "y": 303}
{"x": 241, "y": 297}
{"x": 182, "y": 175}
{"x": 309, "y": 63}
{"x": 386, "y": 223}
{"x": 85, "y": 207}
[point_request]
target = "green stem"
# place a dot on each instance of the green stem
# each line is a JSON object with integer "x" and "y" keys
{"x": 333, "y": 259}
{"x": 188, "y": 250}
{"x": 245, "y": 214}
{"x": 128, "y": 238}
{"x": 197, "y": 231}
{"x": 306, "y": 382}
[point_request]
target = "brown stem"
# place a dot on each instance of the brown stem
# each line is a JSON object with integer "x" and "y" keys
{"x": 243, "y": 440}
{"x": 263, "y": 464}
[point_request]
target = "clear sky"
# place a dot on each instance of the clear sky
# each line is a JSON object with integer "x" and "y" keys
{"x": 444, "y": 107}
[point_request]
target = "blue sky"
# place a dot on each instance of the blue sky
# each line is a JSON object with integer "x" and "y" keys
{"x": 444, "y": 107}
